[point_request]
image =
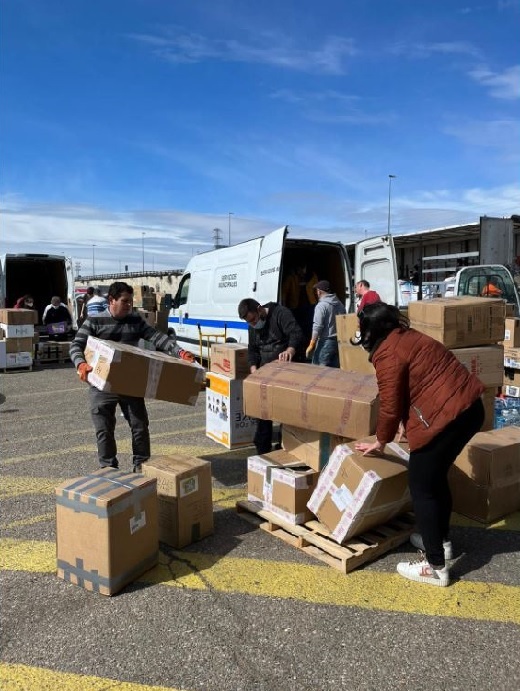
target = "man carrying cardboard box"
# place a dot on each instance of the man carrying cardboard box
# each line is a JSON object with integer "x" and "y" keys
{"x": 121, "y": 324}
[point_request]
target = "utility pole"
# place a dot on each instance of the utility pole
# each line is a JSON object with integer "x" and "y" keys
{"x": 230, "y": 213}
{"x": 142, "y": 239}
{"x": 390, "y": 178}
{"x": 93, "y": 260}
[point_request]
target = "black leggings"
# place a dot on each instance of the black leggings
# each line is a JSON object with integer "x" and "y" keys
{"x": 428, "y": 477}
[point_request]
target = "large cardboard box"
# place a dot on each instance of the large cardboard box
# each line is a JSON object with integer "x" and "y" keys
{"x": 18, "y": 330}
{"x": 106, "y": 529}
{"x": 512, "y": 333}
{"x": 485, "y": 362}
{"x": 347, "y": 327}
{"x": 354, "y": 359}
{"x": 356, "y": 492}
{"x": 19, "y": 345}
{"x": 23, "y": 359}
{"x": 324, "y": 399}
{"x": 11, "y": 316}
{"x": 130, "y": 371}
{"x": 278, "y": 482}
{"x": 488, "y": 400}
{"x": 229, "y": 359}
{"x": 226, "y": 422}
{"x": 184, "y": 496}
{"x": 310, "y": 447}
{"x": 460, "y": 321}
{"x": 485, "y": 478}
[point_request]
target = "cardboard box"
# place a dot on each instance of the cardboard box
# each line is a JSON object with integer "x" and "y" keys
{"x": 310, "y": 447}
{"x": 130, "y": 371}
{"x": 16, "y": 317}
{"x": 354, "y": 359}
{"x": 3, "y": 352}
{"x": 106, "y": 529}
{"x": 226, "y": 422}
{"x": 459, "y": 321}
{"x": 323, "y": 399}
{"x": 229, "y": 359}
{"x": 512, "y": 333}
{"x": 485, "y": 478}
{"x": 512, "y": 358}
{"x": 356, "y": 492}
{"x": 488, "y": 400}
{"x": 19, "y": 345}
{"x": 485, "y": 362}
{"x": 23, "y": 359}
{"x": 279, "y": 483}
{"x": 347, "y": 327}
{"x": 184, "y": 496}
{"x": 18, "y": 330}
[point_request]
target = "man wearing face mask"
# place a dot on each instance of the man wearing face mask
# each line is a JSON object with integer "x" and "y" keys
{"x": 274, "y": 334}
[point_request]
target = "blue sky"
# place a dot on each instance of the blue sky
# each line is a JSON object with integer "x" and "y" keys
{"x": 161, "y": 117}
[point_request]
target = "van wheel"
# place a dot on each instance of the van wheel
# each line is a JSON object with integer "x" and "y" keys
{"x": 231, "y": 340}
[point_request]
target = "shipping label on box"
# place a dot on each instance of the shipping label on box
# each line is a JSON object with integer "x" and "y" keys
{"x": 485, "y": 362}
{"x": 18, "y": 330}
{"x": 230, "y": 359}
{"x": 226, "y": 422}
{"x": 460, "y": 321}
{"x": 512, "y": 358}
{"x": 512, "y": 333}
{"x": 184, "y": 493}
{"x": 324, "y": 399}
{"x": 18, "y": 359}
{"x": 130, "y": 371}
{"x": 310, "y": 447}
{"x": 356, "y": 492}
{"x": 106, "y": 529}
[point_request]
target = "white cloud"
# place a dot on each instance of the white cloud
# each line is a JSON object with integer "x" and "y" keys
{"x": 505, "y": 85}
{"x": 426, "y": 50}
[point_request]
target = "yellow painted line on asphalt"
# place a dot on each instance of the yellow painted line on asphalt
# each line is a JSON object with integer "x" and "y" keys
{"x": 227, "y": 498}
{"x": 16, "y": 677}
{"x": 14, "y": 486}
{"x": 308, "y": 583}
{"x": 33, "y": 520}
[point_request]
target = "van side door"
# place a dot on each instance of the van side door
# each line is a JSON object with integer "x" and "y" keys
{"x": 375, "y": 262}
{"x": 268, "y": 274}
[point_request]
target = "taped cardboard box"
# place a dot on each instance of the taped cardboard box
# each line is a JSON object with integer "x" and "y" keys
{"x": 130, "y": 371}
{"x": 356, "y": 492}
{"x": 488, "y": 400}
{"x": 323, "y": 399}
{"x": 459, "y": 321}
{"x": 19, "y": 345}
{"x": 106, "y": 529}
{"x": 310, "y": 447}
{"x": 184, "y": 496}
{"x": 512, "y": 333}
{"x": 347, "y": 327}
{"x": 485, "y": 362}
{"x": 18, "y": 330}
{"x": 278, "y": 482}
{"x": 229, "y": 359}
{"x": 226, "y": 422}
{"x": 10, "y": 316}
{"x": 354, "y": 359}
{"x": 485, "y": 478}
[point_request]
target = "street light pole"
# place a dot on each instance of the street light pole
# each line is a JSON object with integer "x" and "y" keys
{"x": 142, "y": 239}
{"x": 390, "y": 178}
{"x": 230, "y": 213}
{"x": 93, "y": 260}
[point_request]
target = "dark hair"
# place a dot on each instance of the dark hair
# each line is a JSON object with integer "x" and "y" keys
{"x": 90, "y": 290}
{"x": 376, "y": 321}
{"x": 118, "y": 288}
{"x": 246, "y": 306}
{"x": 364, "y": 283}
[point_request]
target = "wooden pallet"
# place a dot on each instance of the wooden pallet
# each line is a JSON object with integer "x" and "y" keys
{"x": 18, "y": 368}
{"x": 313, "y": 537}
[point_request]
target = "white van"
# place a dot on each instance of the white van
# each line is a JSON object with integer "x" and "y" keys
{"x": 205, "y": 306}
{"x": 39, "y": 275}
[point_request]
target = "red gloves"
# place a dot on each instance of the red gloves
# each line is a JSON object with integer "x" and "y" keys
{"x": 83, "y": 370}
{"x": 186, "y": 355}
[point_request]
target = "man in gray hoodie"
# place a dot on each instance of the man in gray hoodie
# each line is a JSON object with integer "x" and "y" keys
{"x": 323, "y": 348}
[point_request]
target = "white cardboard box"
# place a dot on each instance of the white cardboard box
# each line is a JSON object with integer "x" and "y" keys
{"x": 225, "y": 419}
{"x": 18, "y": 330}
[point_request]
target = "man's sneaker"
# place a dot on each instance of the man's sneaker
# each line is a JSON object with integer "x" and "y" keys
{"x": 418, "y": 543}
{"x": 421, "y": 571}
{"x": 138, "y": 468}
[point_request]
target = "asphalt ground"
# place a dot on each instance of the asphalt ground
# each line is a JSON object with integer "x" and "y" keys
{"x": 240, "y": 610}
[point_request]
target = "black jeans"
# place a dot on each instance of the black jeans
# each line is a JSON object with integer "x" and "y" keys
{"x": 103, "y": 411}
{"x": 428, "y": 476}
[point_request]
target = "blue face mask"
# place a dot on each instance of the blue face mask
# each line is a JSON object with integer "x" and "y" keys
{"x": 259, "y": 324}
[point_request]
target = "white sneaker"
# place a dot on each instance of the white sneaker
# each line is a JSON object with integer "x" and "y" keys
{"x": 421, "y": 571}
{"x": 418, "y": 543}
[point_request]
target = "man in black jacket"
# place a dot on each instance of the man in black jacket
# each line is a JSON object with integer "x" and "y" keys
{"x": 273, "y": 335}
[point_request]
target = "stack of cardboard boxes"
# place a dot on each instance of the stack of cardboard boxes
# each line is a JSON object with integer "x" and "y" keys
{"x": 226, "y": 422}
{"x": 17, "y": 342}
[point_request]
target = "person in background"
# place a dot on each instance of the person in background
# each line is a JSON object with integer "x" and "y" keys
{"x": 273, "y": 334}
{"x": 491, "y": 290}
{"x": 57, "y": 319}
{"x": 26, "y": 302}
{"x": 96, "y": 303}
{"x": 365, "y": 294}
{"x": 121, "y": 324}
{"x": 423, "y": 386}
{"x": 89, "y": 293}
{"x": 323, "y": 347}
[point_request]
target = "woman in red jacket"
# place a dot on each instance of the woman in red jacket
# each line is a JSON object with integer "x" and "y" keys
{"x": 424, "y": 386}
